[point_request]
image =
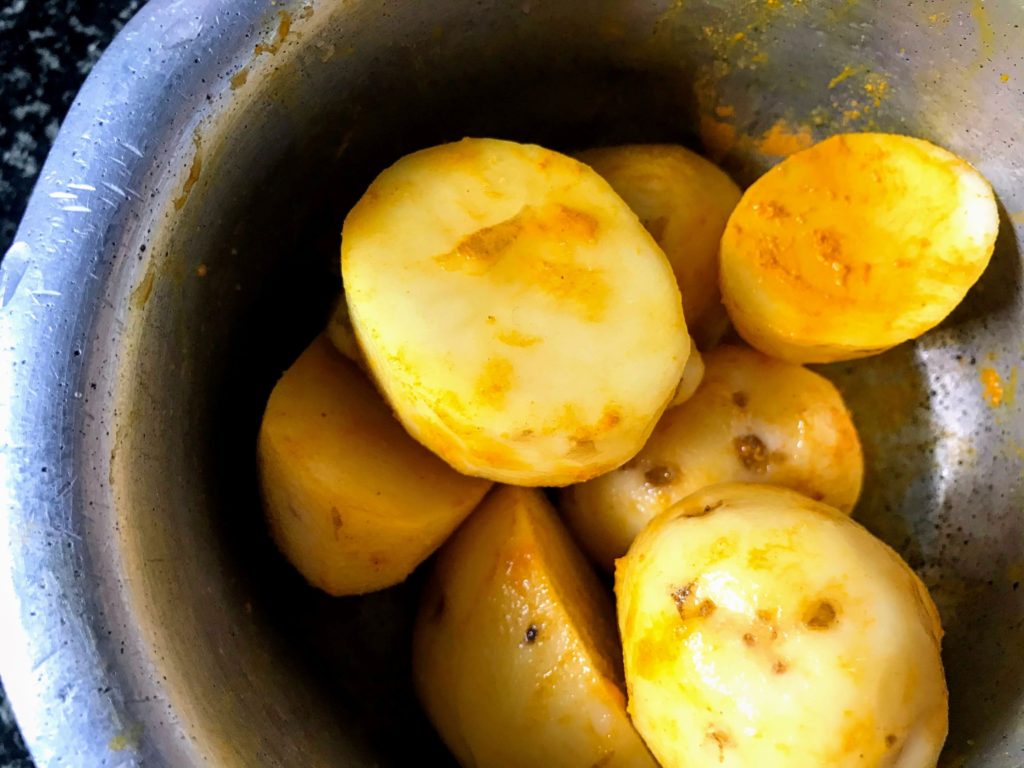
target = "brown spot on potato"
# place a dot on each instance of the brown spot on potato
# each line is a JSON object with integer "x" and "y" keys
{"x": 487, "y": 245}
{"x": 680, "y": 595}
{"x": 749, "y": 640}
{"x": 531, "y": 634}
{"x": 890, "y": 740}
{"x": 662, "y": 474}
{"x": 706, "y": 608}
{"x": 821, "y": 615}
{"x": 740, "y": 399}
{"x": 752, "y": 453}
{"x": 336, "y": 522}
{"x": 707, "y": 509}
{"x": 767, "y": 618}
{"x": 780, "y": 667}
{"x": 611, "y": 415}
{"x": 722, "y": 740}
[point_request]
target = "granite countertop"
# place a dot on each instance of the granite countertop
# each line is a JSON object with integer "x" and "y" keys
{"x": 47, "y": 47}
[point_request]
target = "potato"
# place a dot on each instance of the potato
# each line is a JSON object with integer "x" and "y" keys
{"x": 343, "y": 337}
{"x": 761, "y": 628}
{"x": 515, "y": 654}
{"x": 693, "y": 374}
{"x": 521, "y": 322}
{"x": 752, "y": 419}
{"x": 855, "y": 245}
{"x": 684, "y": 201}
{"x": 352, "y": 501}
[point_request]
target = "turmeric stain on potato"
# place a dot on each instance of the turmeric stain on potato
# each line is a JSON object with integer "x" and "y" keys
{"x": 507, "y": 252}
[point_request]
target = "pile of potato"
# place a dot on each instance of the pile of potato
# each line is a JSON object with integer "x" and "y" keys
{"x": 516, "y": 316}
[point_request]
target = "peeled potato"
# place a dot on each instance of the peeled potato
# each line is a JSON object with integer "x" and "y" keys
{"x": 752, "y": 419}
{"x": 684, "y": 201}
{"x": 515, "y": 655}
{"x": 761, "y": 628}
{"x": 520, "y": 320}
{"x": 352, "y": 501}
{"x": 343, "y": 337}
{"x": 693, "y": 374}
{"x": 855, "y": 245}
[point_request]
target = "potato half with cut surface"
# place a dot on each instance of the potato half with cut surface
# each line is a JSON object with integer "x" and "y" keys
{"x": 762, "y": 628}
{"x": 855, "y": 245}
{"x": 684, "y": 201}
{"x": 520, "y": 320}
{"x": 515, "y": 654}
{"x": 752, "y": 419}
{"x": 352, "y": 501}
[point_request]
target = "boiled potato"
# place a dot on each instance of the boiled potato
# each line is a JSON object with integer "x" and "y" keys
{"x": 855, "y": 245}
{"x": 693, "y": 374}
{"x": 352, "y": 501}
{"x": 752, "y": 419}
{"x": 684, "y": 201}
{"x": 520, "y": 320}
{"x": 342, "y": 336}
{"x": 761, "y": 628}
{"x": 515, "y": 654}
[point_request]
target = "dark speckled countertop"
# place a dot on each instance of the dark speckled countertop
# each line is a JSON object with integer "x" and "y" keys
{"x": 47, "y": 47}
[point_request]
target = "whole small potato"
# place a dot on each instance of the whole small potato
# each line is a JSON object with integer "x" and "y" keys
{"x": 352, "y": 501}
{"x": 752, "y": 419}
{"x": 761, "y": 628}
{"x": 515, "y": 654}
{"x": 693, "y": 374}
{"x": 339, "y": 330}
{"x": 684, "y": 201}
{"x": 521, "y": 322}
{"x": 855, "y": 245}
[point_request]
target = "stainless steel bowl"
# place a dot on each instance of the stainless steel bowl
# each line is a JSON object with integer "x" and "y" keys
{"x": 181, "y": 247}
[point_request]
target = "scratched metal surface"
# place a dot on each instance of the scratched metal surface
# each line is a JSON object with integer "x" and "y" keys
{"x": 181, "y": 248}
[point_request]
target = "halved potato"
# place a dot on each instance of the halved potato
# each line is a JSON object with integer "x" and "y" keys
{"x": 520, "y": 320}
{"x": 761, "y": 628}
{"x": 753, "y": 419}
{"x": 515, "y": 655}
{"x": 352, "y": 501}
{"x": 855, "y": 245}
{"x": 684, "y": 201}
